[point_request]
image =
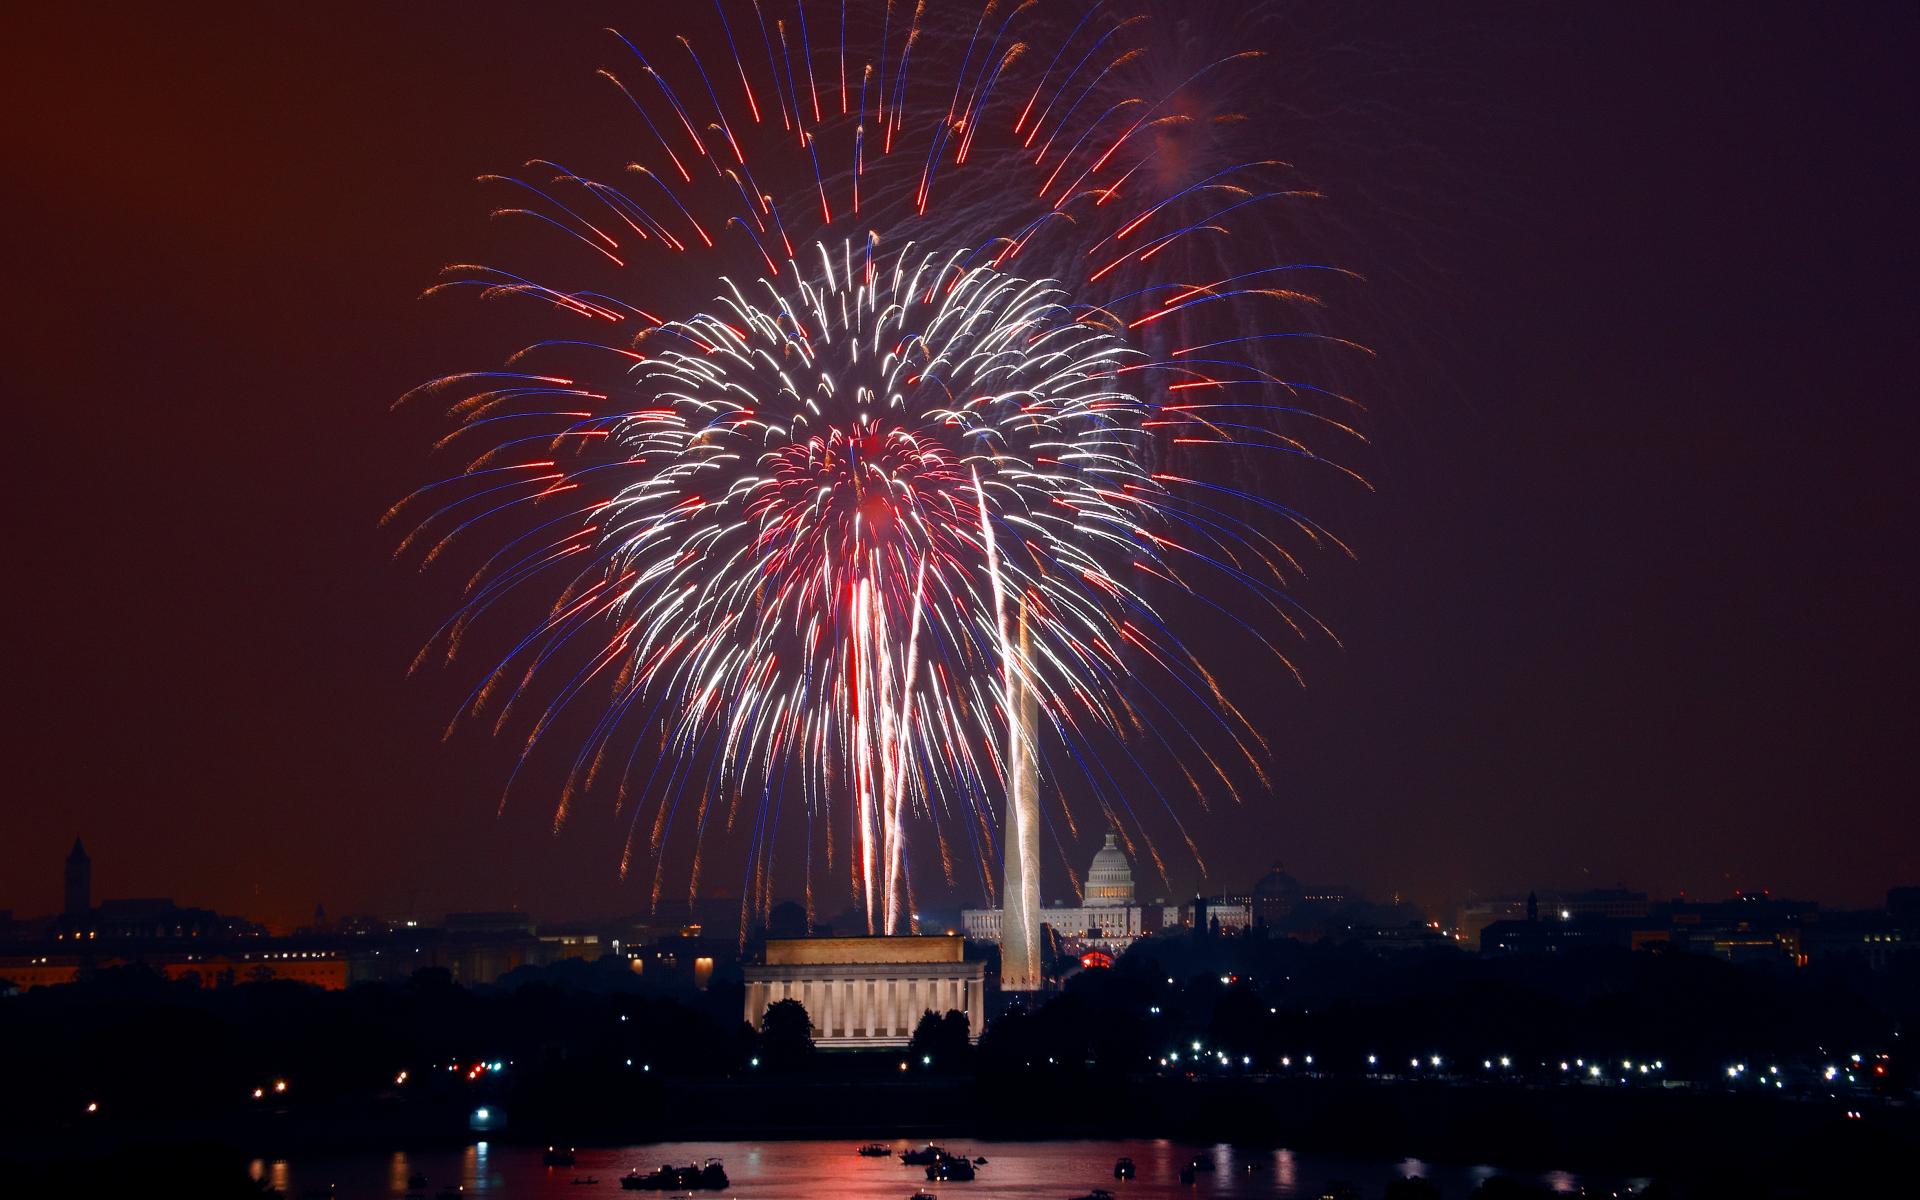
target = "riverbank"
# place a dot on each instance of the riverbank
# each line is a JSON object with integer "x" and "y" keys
{"x": 1775, "y": 1143}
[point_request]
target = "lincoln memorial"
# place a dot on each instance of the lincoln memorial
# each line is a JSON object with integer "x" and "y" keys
{"x": 868, "y": 991}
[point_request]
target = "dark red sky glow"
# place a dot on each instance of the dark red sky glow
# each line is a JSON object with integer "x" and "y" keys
{"x": 1634, "y": 601}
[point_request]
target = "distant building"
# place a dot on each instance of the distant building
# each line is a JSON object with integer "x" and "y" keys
{"x": 78, "y": 882}
{"x": 1478, "y": 915}
{"x": 1107, "y": 917}
{"x": 150, "y": 919}
{"x": 567, "y": 944}
{"x": 1411, "y": 935}
{"x": 1613, "y": 904}
{"x": 867, "y": 991}
{"x": 687, "y": 956}
{"x": 1275, "y": 897}
{"x": 1550, "y": 936}
{"x": 1210, "y": 914}
{"x": 1751, "y": 927}
{"x": 1878, "y": 939}
{"x": 218, "y": 950}
{"x": 146, "y": 919}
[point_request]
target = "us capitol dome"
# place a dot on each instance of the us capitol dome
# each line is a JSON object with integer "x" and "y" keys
{"x": 1107, "y": 916}
{"x": 1110, "y": 878}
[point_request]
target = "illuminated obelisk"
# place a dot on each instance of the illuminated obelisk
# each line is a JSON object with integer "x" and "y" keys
{"x": 1020, "y": 837}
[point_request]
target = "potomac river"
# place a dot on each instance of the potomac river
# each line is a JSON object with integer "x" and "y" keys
{"x": 791, "y": 1170}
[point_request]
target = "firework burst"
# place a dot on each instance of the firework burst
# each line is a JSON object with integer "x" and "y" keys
{"x": 779, "y": 538}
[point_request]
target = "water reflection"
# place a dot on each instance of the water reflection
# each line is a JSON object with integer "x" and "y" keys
{"x": 1284, "y": 1172}
{"x": 783, "y": 1170}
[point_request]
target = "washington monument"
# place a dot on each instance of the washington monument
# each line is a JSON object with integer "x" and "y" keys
{"x": 1020, "y": 837}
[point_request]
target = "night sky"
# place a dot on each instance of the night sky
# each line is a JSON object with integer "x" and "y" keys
{"x": 1634, "y": 601}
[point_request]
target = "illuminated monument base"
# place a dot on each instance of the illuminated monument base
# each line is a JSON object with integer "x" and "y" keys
{"x": 862, "y": 992}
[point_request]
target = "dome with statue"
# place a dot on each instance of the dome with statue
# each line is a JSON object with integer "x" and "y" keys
{"x": 1110, "y": 878}
{"x": 1277, "y": 883}
{"x": 1275, "y": 896}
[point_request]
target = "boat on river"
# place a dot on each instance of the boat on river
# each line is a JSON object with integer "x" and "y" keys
{"x": 669, "y": 1178}
{"x": 952, "y": 1168}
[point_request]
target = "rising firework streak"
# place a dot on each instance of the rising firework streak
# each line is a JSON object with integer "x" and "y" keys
{"x": 968, "y": 368}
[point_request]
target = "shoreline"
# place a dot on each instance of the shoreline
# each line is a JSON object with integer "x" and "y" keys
{"x": 1615, "y": 1133}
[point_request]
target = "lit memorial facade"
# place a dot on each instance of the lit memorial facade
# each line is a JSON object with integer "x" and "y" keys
{"x": 864, "y": 992}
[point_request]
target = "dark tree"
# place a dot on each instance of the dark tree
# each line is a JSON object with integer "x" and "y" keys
{"x": 941, "y": 1041}
{"x": 953, "y": 1035}
{"x": 786, "y": 1035}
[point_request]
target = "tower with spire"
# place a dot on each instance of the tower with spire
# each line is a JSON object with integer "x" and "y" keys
{"x": 79, "y": 882}
{"x": 1020, "y": 836}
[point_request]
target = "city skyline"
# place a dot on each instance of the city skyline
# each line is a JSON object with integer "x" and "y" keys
{"x": 69, "y": 878}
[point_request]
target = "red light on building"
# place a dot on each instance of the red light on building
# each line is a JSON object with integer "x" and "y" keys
{"x": 1096, "y": 958}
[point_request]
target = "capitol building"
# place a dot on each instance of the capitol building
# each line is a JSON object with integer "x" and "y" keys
{"x": 1107, "y": 918}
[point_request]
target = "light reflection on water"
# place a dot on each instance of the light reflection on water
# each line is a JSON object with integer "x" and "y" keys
{"x": 782, "y": 1170}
